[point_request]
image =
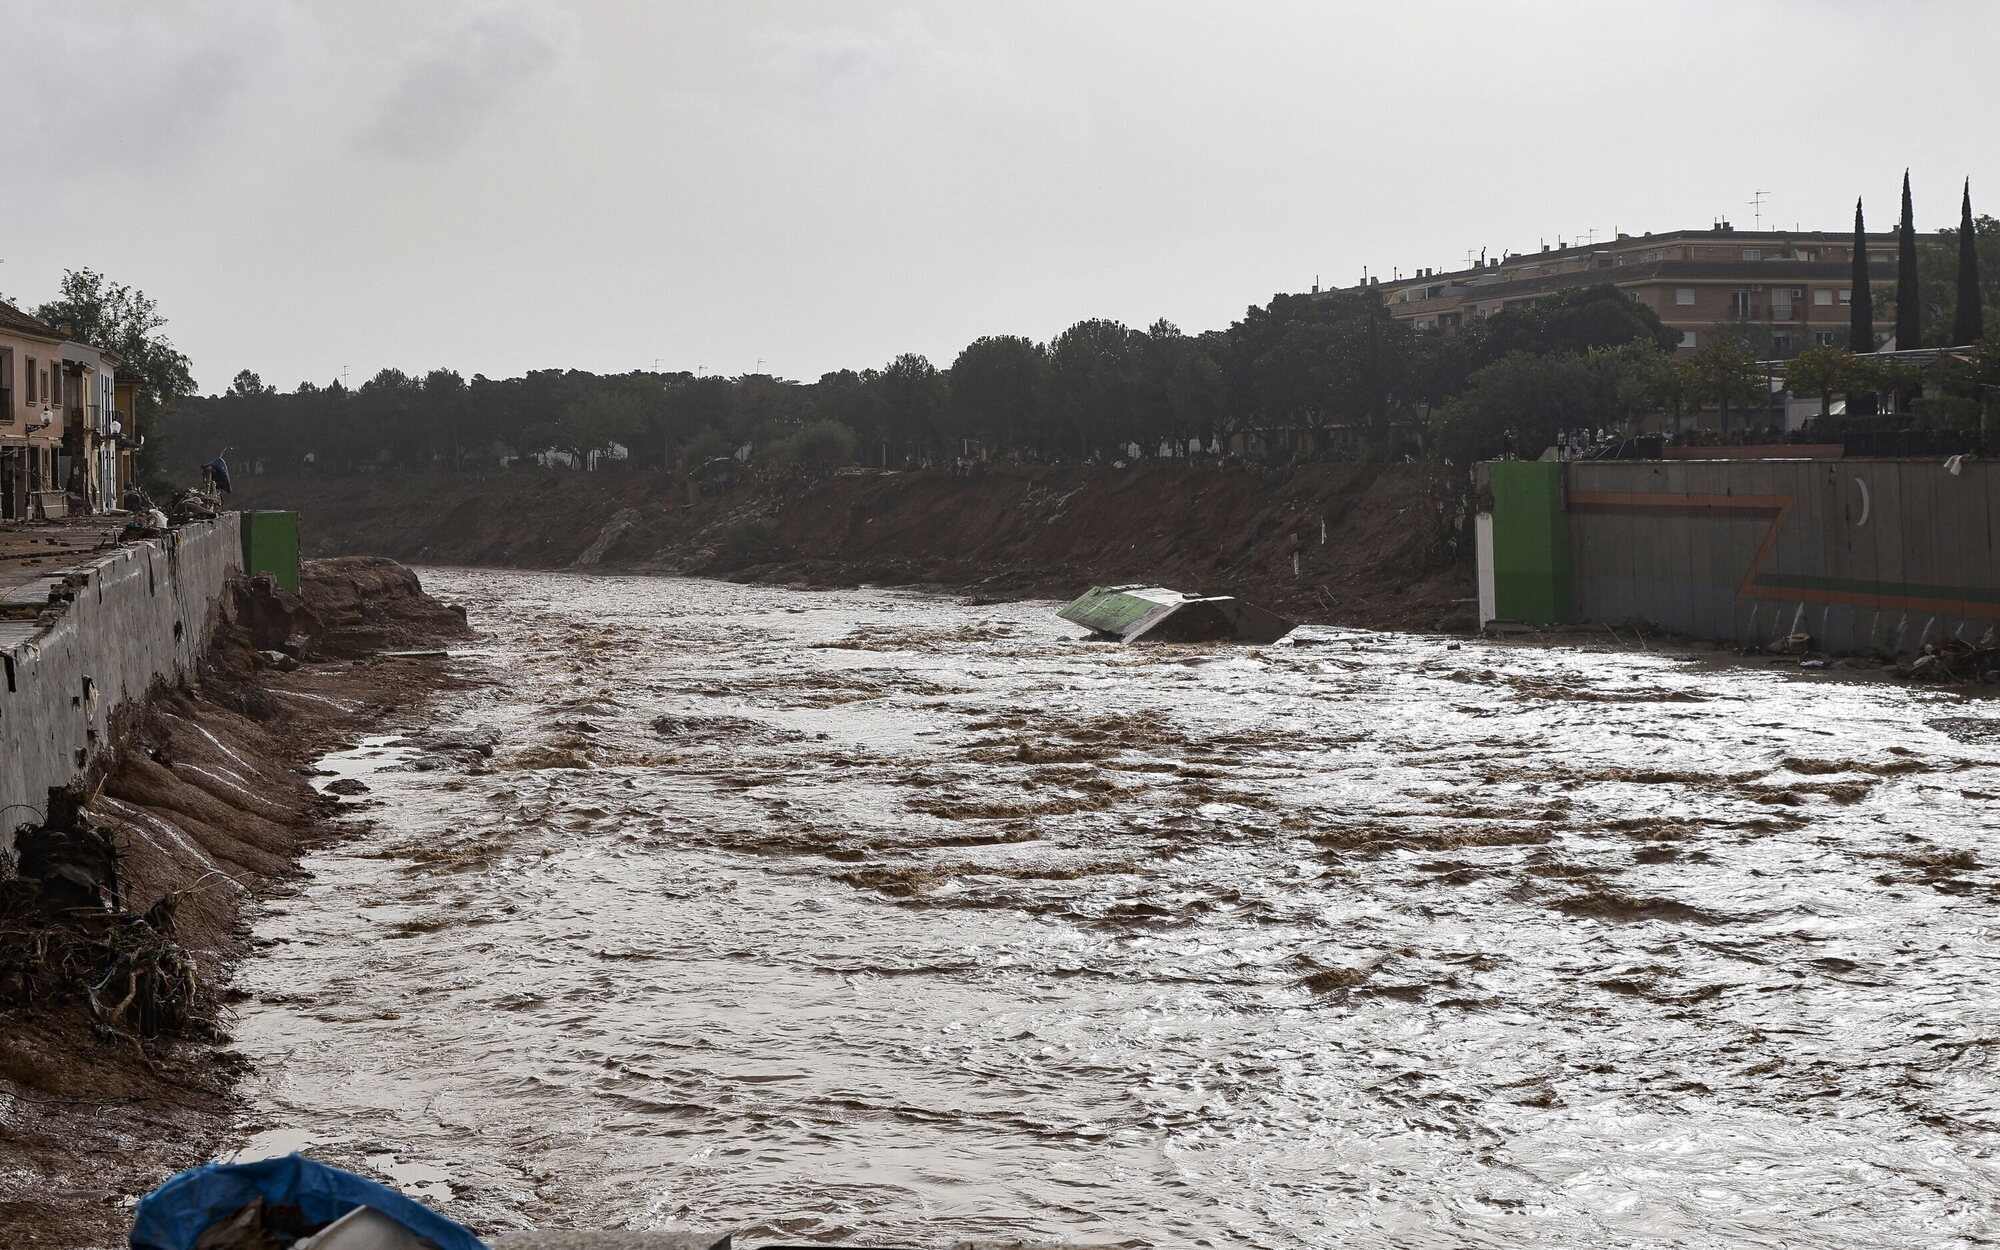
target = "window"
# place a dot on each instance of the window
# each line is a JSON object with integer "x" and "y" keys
{"x": 1823, "y": 337}
{"x": 1752, "y": 253}
{"x": 1806, "y": 253}
{"x": 1683, "y": 295}
{"x": 1687, "y": 338}
{"x": 31, "y": 379}
{"x": 1846, "y": 296}
{"x": 1781, "y": 344}
{"x": 1740, "y": 305}
{"x": 1823, "y": 297}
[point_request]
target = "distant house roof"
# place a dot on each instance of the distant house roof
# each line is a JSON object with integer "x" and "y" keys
{"x": 14, "y": 321}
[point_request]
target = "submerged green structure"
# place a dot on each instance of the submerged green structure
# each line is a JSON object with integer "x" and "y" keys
{"x": 1156, "y": 614}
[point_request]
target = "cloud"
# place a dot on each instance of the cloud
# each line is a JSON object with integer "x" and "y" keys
{"x": 155, "y": 83}
{"x": 836, "y": 67}
{"x": 906, "y": 63}
{"x": 489, "y": 60}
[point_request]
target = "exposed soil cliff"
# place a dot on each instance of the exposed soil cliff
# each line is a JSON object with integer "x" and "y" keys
{"x": 206, "y": 803}
{"x": 1350, "y": 544}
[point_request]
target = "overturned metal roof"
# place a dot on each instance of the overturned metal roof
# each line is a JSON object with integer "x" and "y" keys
{"x": 1156, "y": 614}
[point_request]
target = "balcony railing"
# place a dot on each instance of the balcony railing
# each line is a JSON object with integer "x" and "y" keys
{"x": 1778, "y": 313}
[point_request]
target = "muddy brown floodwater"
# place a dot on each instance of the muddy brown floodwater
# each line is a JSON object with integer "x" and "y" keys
{"x": 874, "y": 914}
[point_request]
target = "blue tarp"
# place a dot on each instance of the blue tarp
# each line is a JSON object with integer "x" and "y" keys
{"x": 173, "y": 1216}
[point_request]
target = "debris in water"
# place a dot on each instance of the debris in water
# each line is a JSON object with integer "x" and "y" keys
{"x": 1156, "y": 614}
{"x": 291, "y": 1203}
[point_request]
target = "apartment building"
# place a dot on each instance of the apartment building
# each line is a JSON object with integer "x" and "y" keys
{"x": 1797, "y": 286}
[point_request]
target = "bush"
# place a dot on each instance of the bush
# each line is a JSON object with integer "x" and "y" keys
{"x": 819, "y": 446}
{"x": 746, "y": 543}
{"x": 711, "y": 445}
{"x": 1945, "y": 412}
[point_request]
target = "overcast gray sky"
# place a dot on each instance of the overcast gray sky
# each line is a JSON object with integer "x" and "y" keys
{"x": 500, "y": 185}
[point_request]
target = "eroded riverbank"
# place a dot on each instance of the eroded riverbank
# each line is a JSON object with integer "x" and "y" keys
{"x": 205, "y": 804}
{"x": 863, "y": 913}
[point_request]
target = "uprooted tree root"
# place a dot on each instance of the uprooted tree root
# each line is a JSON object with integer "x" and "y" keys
{"x": 67, "y": 938}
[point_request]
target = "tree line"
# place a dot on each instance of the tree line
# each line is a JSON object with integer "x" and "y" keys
{"x": 1314, "y": 374}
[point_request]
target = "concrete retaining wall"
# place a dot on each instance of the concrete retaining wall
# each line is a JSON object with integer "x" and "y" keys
{"x": 142, "y": 613}
{"x": 1857, "y": 553}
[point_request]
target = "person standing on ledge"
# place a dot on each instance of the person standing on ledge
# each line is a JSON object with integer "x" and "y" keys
{"x": 217, "y": 470}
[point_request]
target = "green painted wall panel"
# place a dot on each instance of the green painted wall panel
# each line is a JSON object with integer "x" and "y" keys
{"x": 1531, "y": 558}
{"x": 271, "y": 545}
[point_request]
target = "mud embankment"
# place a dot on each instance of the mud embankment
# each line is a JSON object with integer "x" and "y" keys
{"x": 1347, "y": 544}
{"x": 206, "y": 803}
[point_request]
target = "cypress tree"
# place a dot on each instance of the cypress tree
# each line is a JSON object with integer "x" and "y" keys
{"x": 1861, "y": 316}
{"x": 1861, "y": 305}
{"x": 1968, "y": 326}
{"x": 1909, "y": 310}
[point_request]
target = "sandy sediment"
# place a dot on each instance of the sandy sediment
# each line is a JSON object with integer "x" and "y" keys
{"x": 207, "y": 801}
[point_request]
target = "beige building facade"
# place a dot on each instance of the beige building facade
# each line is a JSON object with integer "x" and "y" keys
{"x": 32, "y": 414}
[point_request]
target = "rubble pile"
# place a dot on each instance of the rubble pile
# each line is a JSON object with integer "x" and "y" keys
{"x": 1955, "y": 660}
{"x": 68, "y": 936}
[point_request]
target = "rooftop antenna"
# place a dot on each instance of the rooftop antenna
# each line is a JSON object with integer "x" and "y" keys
{"x": 1757, "y": 208}
{"x": 1468, "y": 258}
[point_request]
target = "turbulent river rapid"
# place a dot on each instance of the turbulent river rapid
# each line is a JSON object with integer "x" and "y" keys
{"x": 885, "y": 916}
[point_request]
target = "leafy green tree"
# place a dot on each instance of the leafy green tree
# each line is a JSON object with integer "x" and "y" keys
{"x": 818, "y": 446}
{"x": 914, "y": 395}
{"x": 247, "y": 383}
{"x": 600, "y": 416}
{"x": 1196, "y": 398}
{"x": 1671, "y": 385}
{"x": 1537, "y": 397}
{"x": 1571, "y": 321}
{"x": 1820, "y": 371}
{"x": 1095, "y": 367}
{"x": 855, "y": 401}
{"x": 1728, "y": 377}
{"x": 1001, "y": 391}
